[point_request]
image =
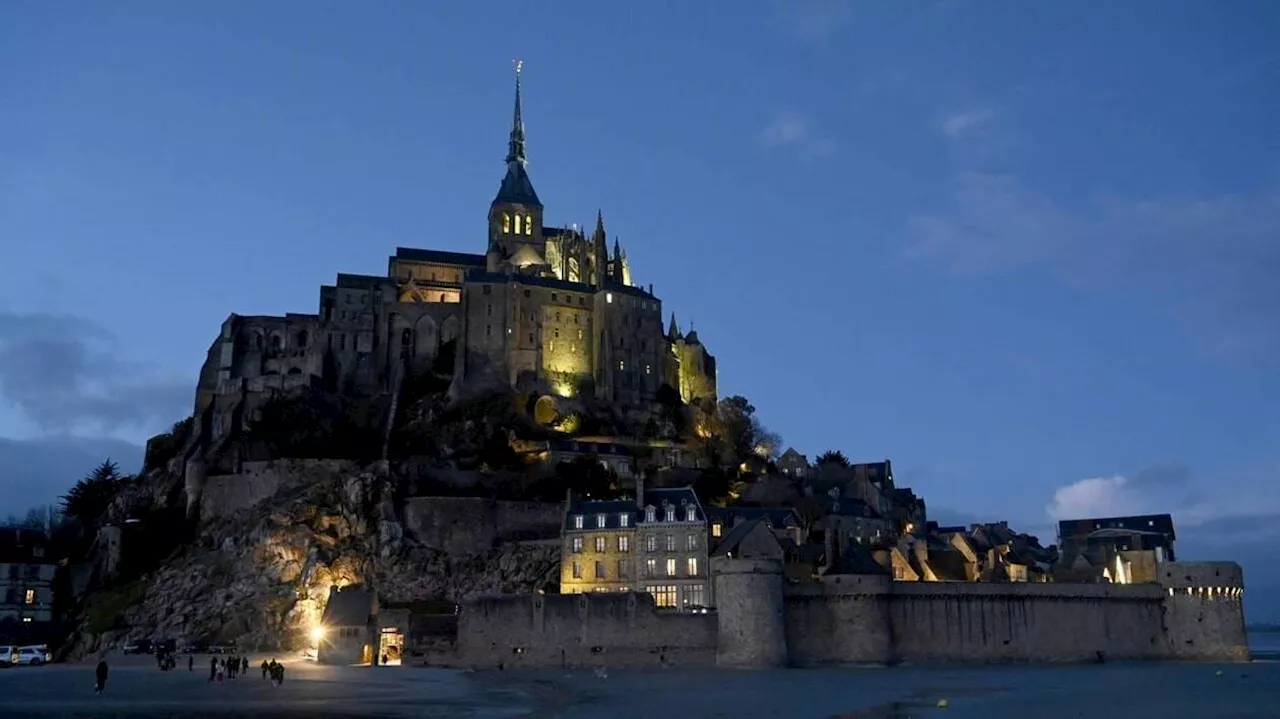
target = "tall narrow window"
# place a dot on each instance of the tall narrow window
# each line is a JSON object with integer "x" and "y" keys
{"x": 506, "y": 222}
{"x": 600, "y": 545}
{"x": 671, "y": 567}
{"x": 528, "y": 224}
{"x": 517, "y": 224}
{"x": 691, "y": 566}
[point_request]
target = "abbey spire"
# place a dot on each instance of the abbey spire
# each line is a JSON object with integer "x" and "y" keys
{"x": 516, "y": 187}
{"x": 515, "y": 143}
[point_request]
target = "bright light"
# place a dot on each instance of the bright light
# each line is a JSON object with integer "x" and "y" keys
{"x": 317, "y": 634}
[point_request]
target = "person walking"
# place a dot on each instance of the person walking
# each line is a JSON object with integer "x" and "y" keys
{"x": 244, "y": 665}
{"x": 101, "y": 675}
{"x": 213, "y": 668}
{"x": 191, "y": 663}
{"x": 265, "y": 668}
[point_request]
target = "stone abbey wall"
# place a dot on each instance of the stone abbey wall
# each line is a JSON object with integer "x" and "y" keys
{"x": 221, "y": 495}
{"x": 869, "y": 619}
{"x": 470, "y": 525}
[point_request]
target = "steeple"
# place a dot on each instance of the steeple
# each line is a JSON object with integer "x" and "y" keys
{"x": 673, "y": 332}
{"x": 515, "y": 145}
{"x": 599, "y": 225}
{"x": 516, "y": 187}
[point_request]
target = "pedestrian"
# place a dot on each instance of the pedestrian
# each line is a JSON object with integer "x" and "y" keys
{"x": 265, "y": 668}
{"x": 232, "y": 664}
{"x": 101, "y": 675}
{"x": 191, "y": 663}
{"x": 213, "y": 668}
{"x": 244, "y": 664}
{"x": 279, "y": 674}
{"x": 222, "y": 670}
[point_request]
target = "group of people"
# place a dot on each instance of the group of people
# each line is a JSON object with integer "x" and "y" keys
{"x": 274, "y": 670}
{"x": 226, "y": 668}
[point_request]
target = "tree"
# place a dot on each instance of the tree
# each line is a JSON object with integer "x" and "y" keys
{"x": 739, "y": 434}
{"x": 89, "y": 499}
{"x": 832, "y": 456}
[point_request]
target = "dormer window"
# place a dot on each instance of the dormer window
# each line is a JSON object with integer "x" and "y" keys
{"x": 648, "y": 514}
{"x": 624, "y": 520}
{"x": 517, "y": 224}
{"x": 577, "y": 521}
{"x": 670, "y": 514}
{"x": 690, "y": 514}
{"x": 600, "y": 521}
{"x": 506, "y": 222}
{"x": 716, "y": 529}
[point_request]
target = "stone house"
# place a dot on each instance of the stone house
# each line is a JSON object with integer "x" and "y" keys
{"x": 656, "y": 544}
{"x": 348, "y": 627}
{"x": 793, "y": 464}
{"x": 785, "y": 522}
{"x": 26, "y": 577}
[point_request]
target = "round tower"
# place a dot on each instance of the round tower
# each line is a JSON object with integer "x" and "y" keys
{"x": 751, "y": 610}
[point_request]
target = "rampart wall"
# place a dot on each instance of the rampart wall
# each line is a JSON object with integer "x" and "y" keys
{"x": 870, "y": 619}
{"x": 581, "y": 630}
{"x": 221, "y": 495}
{"x": 470, "y": 525}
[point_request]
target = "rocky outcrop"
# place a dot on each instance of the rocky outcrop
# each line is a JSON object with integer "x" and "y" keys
{"x": 260, "y": 576}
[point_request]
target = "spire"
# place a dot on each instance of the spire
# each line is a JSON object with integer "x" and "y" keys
{"x": 673, "y": 332}
{"x": 599, "y": 223}
{"x": 617, "y": 253}
{"x": 515, "y": 145}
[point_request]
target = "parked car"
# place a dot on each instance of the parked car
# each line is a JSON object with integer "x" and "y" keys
{"x": 8, "y": 654}
{"x": 33, "y": 655}
{"x": 141, "y": 646}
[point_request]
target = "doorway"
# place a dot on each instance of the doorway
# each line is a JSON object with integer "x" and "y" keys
{"x": 391, "y": 647}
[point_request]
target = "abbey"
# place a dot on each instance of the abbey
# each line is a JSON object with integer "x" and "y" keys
{"x": 545, "y": 309}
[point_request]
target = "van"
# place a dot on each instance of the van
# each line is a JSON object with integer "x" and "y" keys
{"x": 8, "y": 655}
{"x": 33, "y": 655}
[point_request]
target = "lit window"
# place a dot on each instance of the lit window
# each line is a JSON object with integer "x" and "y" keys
{"x": 651, "y": 567}
{"x": 693, "y": 542}
{"x": 599, "y": 570}
{"x": 30, "y": 597}
{"x": 671, "y": 514}
{"x": 600, "y": 542}
{"x": 716, "y": 529}
{"x": 624, "y": 543}
{"x": 671, "y": 567}
{"x": 26, "y": 620}
{"x": 648, "y": 514}
{"x": 622, "y": 364}
{"x": 690, "y": 515}
{"x": 651, "y": 543}
{"x": 663, "y": 596}
{"x": 579, "y": 334}
{"x": 577, "y": 545}
{"x": 600, "y": 520}
{"x": 647, "y": 368}
{"x": 517, "y": 224}
{"x": 551, "y": 346}
{"x": 695, "y": 596}
{"x": 624, "y": 520}
{"x": 671, "y": 542}
{"x": 506, "y": 222}
{"x": 577, "y": 521}
{"x": 577, "y": 571}
{"x": 691, "y": 566}
{"x": 608, "y": 297}
{"x": 528, "y": 224}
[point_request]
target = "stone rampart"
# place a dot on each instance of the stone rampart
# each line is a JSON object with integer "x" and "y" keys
{"x": 226, "y": 494}
{"x": 1204, "y": 610}
{"x": 581, "y": 630}
{"x": 470, "y": 525}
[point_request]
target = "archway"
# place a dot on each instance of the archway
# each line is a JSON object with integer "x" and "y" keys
{"x": 545, "y": 411}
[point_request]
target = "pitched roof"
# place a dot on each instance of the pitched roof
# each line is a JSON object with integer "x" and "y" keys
{"x": 465, "y": 259}
{"x": 348, "y": 607}
{"x": 677, "y": 496}
{"x": 776, "y": 517}
{"x": 612, "y": 509}
{"x": 516, "y": 187}
{"x": 733, "y": 540}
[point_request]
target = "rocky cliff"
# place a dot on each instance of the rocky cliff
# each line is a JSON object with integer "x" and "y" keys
{"x": 260, "y": 576}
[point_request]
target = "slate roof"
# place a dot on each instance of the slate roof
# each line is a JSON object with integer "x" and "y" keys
{"x": 613, "y": 509}
{"x": 850, "y": 507}
{"x": 1162, "y": 523}
{"x": 348, "y": 607}
{"x": 856, "y": 561}
{"x": 363, "y": 282}
{"x": 737, "y": 534}
{"x": 465, "y": 259}
{"x": 678, "y": 496}
{"x": 516, "y": 187}
{"x": 777, "y": 517}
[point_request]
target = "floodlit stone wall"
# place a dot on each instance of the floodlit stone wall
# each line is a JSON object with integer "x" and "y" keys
{"x": 1204, "y": 610}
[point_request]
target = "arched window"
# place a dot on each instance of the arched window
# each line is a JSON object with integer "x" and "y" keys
{"x": 517, "y": 224}
{"x": 406, "y": 337}
{"x": 506, "y": 222}
{"x": 277, "y": 342}
{"x": 528, "y": 224}
{"x": 302, "y": 338}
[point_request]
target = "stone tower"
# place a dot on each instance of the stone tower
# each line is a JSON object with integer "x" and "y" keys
{"x": 751, "y": 612}
{"x": 515, "y": 215}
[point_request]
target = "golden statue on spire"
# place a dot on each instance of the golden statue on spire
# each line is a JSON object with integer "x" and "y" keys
{"x": 519, "y": 65}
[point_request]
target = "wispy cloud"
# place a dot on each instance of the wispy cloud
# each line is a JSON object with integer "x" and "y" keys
{"x": 790, "y": 129}
{"x": 964, "y": 122}
{"x": 813, "y": 20}
{"x": 1215, "y": 259}
{"x": 64, "y": 375}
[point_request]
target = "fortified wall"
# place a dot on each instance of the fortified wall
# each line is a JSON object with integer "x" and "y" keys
{"x": 1194, "y": 613}
{"x": 470, "y": 525}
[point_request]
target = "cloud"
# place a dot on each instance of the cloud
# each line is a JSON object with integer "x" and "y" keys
{"x": 1214, "y": 259}
{"x": 61, "y": 372}
{"x": 37, "y": 472}
{"x": 795, "y": 131}
{"x": 962, "y": 123}
{"x": 813, "y": 21}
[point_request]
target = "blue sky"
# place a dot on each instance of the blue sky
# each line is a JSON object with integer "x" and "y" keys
{"x": 1026, "y": 252}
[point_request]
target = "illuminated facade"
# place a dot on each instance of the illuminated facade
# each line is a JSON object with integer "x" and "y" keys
{"x": 545, "y": 309}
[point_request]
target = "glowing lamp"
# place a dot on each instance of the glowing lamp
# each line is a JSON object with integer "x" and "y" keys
{"x": 317, "y": 634}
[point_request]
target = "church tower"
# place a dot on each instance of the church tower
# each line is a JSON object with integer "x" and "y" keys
{"x": 515, "y": 216}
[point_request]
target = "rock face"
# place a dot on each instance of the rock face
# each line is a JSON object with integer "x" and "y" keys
{"x": 260, "y": 576}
